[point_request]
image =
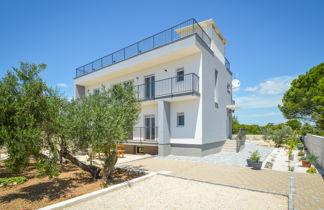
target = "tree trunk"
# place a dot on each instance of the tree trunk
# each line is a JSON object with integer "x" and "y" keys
{"x": 110, "y": 162}
{"x": 93, "y": 170}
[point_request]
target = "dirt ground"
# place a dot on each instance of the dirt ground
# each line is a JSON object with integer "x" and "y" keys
{"x": 40, "y": 192}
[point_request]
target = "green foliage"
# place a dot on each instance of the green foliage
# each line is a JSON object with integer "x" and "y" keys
{"x": 305, "y": 98}
{"x": 255, "y": 156}
{"x": 294, "y": 124}
{"x": 235, "y": 125}
{"x": 48, "y": 168}
{"x": 300, "y": 146}
{"x": 37, "y": 122}
{"x": 250, "y": 129}
{"x": 311, "y": 158}
{"x": 22, "y": 112}
{"x": 102, "y": 120}
{"x": 311, "y": 171}
{"x": 280, "y": 136}
{"x": 12, "y": 180}
{"x": 302, "y": 158}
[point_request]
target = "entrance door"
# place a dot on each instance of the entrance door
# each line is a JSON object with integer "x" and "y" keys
{"x": 149, "y": 87}
{"x": 150, "y": 127}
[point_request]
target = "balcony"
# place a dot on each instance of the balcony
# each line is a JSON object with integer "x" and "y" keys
{"x": 160, "y": 39}
{"x": 144, "y": 135}
{"x": 187, "y": 84}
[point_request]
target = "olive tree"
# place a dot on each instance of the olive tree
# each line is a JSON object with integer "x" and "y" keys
{"x": 23, "y": 109}
{"x": 102, "y": 120}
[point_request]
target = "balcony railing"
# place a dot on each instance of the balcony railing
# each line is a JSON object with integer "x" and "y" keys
{"x": 144, "y": 134}
{"x": 174, "y": 86}
{"x": 176, "y": 32}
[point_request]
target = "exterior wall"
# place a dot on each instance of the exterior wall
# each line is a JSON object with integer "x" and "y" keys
{"x": 214, "y": 113}
{"x": 315, "y": 145}
{"x": 190, "y": 133}
{"x": 217, "y": 46}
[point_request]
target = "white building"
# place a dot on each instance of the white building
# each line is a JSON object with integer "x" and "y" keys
{"x": 184, "y": 80}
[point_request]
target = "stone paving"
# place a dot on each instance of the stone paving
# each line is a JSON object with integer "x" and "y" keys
{"x": 228, "y": 158}
{"x": 309, "y": 189}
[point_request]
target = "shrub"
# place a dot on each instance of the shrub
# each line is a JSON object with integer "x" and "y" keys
{"x": 311, "y": 171}
{"x": 12, "y": 180}
{"x": 255, "y": 156}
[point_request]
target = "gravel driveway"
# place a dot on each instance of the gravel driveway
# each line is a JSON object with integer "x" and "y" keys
{"x": 162, "y": 192}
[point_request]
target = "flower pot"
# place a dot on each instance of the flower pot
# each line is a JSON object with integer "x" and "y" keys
{"x": 249, "y": 162}
{"x": 291, "y": 157}
{"x": 306, "y": 163}
{"x": 257, "y": 165}
{"x": 301, "y": 154}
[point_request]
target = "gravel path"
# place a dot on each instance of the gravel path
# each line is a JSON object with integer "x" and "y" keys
{"x": 161, "y": 192}
{"x": 228, "y": 158}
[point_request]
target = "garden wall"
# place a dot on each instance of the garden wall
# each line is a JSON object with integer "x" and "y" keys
{"x": 315, "y": 145}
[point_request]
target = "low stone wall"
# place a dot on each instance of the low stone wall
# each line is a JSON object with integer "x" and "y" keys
{"x": 315, "y": 145}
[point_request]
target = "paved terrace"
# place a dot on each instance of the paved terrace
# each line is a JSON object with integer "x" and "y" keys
{"x": 307, "y": 189}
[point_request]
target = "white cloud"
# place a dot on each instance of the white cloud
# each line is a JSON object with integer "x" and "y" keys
{"x": 265, "y": 94}
{"x": 265, "y": 114}
{"x": 251, "y": 89}
{"x": 62, "y": 85}
{"x": 272, "y": 86}
{"x": 258, "y": 101}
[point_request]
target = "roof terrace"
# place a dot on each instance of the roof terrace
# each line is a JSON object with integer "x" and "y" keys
{"x": 164, "y": 37}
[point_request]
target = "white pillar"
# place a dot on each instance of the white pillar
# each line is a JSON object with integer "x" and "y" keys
{"x": 164, "y": 128}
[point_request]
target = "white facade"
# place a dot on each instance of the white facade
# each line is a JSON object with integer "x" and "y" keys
{"x": 190, "y": 115}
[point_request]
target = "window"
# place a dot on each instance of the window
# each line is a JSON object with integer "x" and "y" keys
{"x": 180, "y": 119}
{"x": 96, "y": 91}
{"x": 215, "y": 90}
{"x": 180, "y": 75}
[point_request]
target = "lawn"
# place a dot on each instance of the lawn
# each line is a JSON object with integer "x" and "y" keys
{"x": 40, "y": 192}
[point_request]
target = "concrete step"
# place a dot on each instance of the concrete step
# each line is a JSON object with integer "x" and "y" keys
{"x": 229, "y": 146}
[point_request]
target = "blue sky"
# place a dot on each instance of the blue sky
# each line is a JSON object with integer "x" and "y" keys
{"x": 269, "y": 42}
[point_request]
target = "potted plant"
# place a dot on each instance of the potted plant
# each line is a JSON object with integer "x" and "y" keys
{"x": 255, "y": 160}
{"x": 301, "y": 154}
{"x": 300, "y": 146}
{"x": 305, "y": 162}
{"x": 250, "y": 161}
{"x": 308, "y": 160}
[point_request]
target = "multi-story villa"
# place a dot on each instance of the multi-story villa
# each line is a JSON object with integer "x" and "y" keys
{"x": 184, "y": 81}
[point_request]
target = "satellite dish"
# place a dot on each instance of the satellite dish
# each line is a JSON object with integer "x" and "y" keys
{"x": 236, "y": 83}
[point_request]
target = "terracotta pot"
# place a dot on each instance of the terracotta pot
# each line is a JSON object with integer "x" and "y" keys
{"x": 301, "y": 155}
{"x": 305, "y": 163}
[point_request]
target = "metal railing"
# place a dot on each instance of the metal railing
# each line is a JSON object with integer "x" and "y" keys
{"x": 169, "y": 35}
{"x": 241, "y": 138}
{"x": 146, "y": 134}
{"x": 170, "y": 87}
